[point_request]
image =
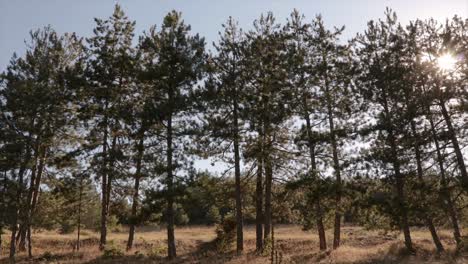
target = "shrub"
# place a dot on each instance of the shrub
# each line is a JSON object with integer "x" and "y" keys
{"x": 226, "y": 234}
{"x": 213, "y": 215}
{"x": 112, "y": 251}
{"x": 157, "y": 251}
{"x": 66, "y": 227}
{"x": 47, "y": 256}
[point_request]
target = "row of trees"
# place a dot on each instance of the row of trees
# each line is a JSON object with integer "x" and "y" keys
{"x": 290, "y": 104}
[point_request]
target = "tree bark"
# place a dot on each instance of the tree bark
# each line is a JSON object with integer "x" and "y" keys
{"x": 36, "y": 190}
{"x": 239, "y": 217}
{"x": 427, "y": 218}
{"x": 399, "y": 186}
{"x": 337, "y": 169}
{"x": 19, "y": 193}
{"x": 171, "y": 248}
{"x": 110, "y": 175}
{"x": 131, "y": 232}
{"x": 103, "y": 238}
{"x": 80, "y": 199}
{"x": 443, "y": 180}
{"x": 259, "y": 204}
{"x": 21, "y": 237}
{"x": 268, "y": 187}
{"x": 456, "y": 145}
{"x": 318, "y": 209}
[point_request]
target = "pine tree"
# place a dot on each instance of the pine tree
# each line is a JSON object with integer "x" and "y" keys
{"x": 110, "y": 70}
{"x": 301, "y": 62}
{"x": 180, "y": 64}
{"x": 38, "y": 98}
{"x": 267, "y": 106}
{"x": 380, "y": 82}
{"x": 225, "y": 98}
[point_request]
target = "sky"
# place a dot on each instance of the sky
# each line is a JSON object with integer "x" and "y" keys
{"x": 18, "y": 17}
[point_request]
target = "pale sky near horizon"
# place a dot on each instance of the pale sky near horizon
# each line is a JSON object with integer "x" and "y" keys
{"x": 18, "y": 17}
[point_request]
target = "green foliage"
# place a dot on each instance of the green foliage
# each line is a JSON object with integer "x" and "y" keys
{"x": 112, "y": 251}
{"x": 157, "y": 251}
{"x": 213, "y": 215}
{"x": 225, "y": 234}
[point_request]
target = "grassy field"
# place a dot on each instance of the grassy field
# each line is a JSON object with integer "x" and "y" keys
{"x": 194, "y": 246}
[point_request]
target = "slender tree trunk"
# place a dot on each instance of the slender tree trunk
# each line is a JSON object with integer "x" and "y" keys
{"x": 337, "y": 169}
{"x": 239, "y": 217}
{"x": 21, "y": 238}
{"x": 268, "y": 193}
{"x": 29, "y": 242}
{"x": 427, "y": 218}
{"x": 456, "y": 145}
{"x": 400, "y": 181}
{"x": 171, "y": 248}
{"x": 266, "y": 152}
{"x": 35, "y": 188}
{"x": 443, "y": 180}
{"x": 2, "y": 213}
{"x": 80, "y": 199}
{"x": 110, "y": 175}
{"x": 318, "y": 209}
{"x": 400, "y": 193}
{"x": 19, "y": 193}
{"x": 272, "y": 253}
{"x": 131, "y": 232}
{"x": 259, "y": 204}
{"x": 103, "y": 238}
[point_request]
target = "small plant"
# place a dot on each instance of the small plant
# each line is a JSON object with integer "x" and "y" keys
{"x": 157, "y": 251}
{"x": 267, "y": 247}
{"x": 225, "y": 234}
{"x": 463, "y": 246}
{"x": 47, "y": 256}
{"x": 112, "y": 251}
{"x": 139, "y": 255}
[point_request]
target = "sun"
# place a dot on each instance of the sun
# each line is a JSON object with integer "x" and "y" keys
{"x": 446, "y": 62}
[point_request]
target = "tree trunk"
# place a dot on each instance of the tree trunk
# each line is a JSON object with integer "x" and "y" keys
{"x": 318, "y": 209}
{"x": 131, "y": 232}
{"x": 400, "y": 194}
{"x": 427, "y": 218}
{"x": 110, "y": 175}
{"x": 80, "y": 199}
{"x": 337, "y": 169}
{"x": 21, "y": 237}
{"x": 239, "y": 217}
{"x": 443, "y": 180}
{"x": 456, "y": 145}
{"x": 103, "y": 238}
{"x": 259, "y": 204}
{"x": 268, "y": 187}
{"x": 32, "y": 199}
{"x": 399, "y": 186}
{"x": 19, "y": 193}
{"x": 29, "y": 242}
{"x": 35, "y": 200}
{"x": 171, "y": 248}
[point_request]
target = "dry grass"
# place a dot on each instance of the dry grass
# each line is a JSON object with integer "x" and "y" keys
{"x": 293, "y": 244}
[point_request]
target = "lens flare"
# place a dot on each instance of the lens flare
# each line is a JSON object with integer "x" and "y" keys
{"x": 446, "y": 62}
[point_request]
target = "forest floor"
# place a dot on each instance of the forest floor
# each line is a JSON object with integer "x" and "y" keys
{"x": 194, "y": 245}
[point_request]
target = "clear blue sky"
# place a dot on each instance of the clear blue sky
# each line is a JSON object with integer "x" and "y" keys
{"x": 18, "y": 17}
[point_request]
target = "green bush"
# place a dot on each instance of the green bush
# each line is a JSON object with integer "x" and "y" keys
{"x": 157, "y": 251}
{"x": 112, "y": 251}
{"x": 226, "y": 234}
{"x": 213, "y": 215}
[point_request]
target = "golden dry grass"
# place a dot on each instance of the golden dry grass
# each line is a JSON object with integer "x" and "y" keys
{"x": 293, "y": 244}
